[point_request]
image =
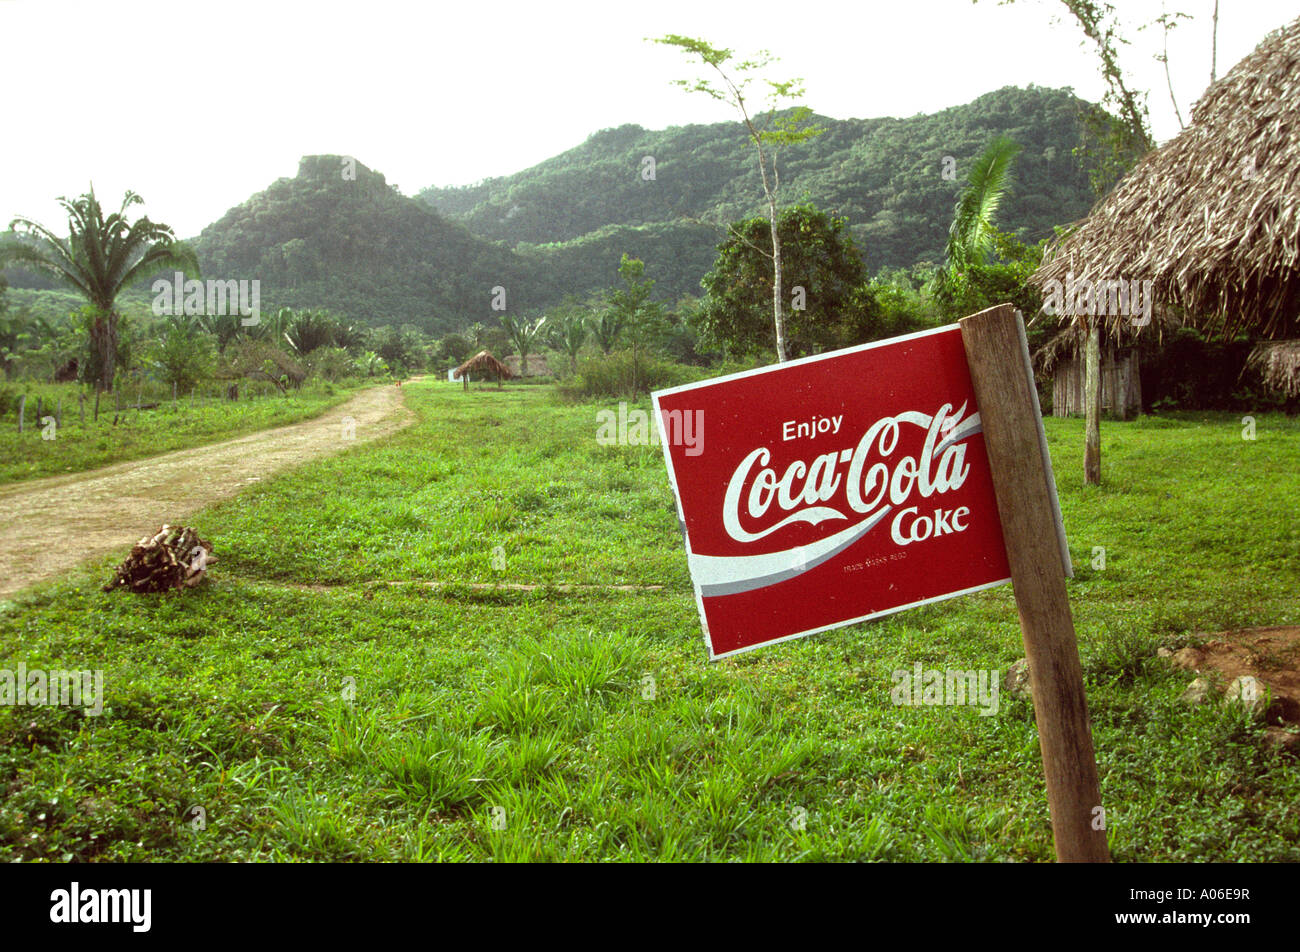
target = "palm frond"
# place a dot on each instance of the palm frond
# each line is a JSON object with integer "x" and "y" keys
{"x": 970, "y": 239}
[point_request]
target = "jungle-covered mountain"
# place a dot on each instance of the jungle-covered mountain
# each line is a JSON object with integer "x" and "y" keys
{"x": 338, "y": 236}
{"x": 577, "y": 211}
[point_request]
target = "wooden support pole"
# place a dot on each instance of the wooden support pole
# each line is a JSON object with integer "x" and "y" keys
{"x": 1092, "y": 406}
{"x": 996, "y": 351}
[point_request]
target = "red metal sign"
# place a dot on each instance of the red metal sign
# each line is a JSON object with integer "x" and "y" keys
{"x": 833, "y": 489}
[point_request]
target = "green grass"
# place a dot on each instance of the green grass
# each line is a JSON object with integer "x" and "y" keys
{"x": 363, "y": 721}
{"x": 75, "y": 446}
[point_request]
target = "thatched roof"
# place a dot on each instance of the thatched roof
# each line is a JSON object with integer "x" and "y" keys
{"x": 1279, "y": 364}
{"x": 1212, "y": 218}
{"x": 483, "y": 363}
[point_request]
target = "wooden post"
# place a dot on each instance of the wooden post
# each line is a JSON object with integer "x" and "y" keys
{"x": 1092, "y": 406}
{"x": 997, "y": 352}
{"x": 22, "y": 408}
{"x": 95, "y": 418}
{"x": 58, "y": 414}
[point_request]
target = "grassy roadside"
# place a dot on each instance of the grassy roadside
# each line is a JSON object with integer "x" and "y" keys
{"x": 74, "y": 446}
{"x": 312, "y": 712}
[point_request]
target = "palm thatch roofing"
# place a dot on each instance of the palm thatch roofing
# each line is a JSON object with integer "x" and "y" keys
{"x": 483, "y": 363}
{"x": 1278, "y": 362}
{"x": 1212, "y": 218}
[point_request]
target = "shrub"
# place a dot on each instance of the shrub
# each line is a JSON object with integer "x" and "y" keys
{"x": 330, "y": 363}
{"x": 611, "y": 376}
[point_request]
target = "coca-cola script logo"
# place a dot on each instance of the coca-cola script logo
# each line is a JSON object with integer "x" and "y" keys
{"x": 860, "y": 485}
{"x": 835, "y": 489}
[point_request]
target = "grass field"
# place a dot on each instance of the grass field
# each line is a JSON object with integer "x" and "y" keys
{"x": 72, "y": 445}
{"x": 312, "y": 712}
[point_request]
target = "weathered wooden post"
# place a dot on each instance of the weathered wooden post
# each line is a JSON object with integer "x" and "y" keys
{"x": 998, "y": 354}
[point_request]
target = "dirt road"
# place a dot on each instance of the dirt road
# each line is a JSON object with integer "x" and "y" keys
{"x": 49, "y": 525}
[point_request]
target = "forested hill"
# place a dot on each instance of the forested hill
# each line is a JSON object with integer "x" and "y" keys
{"x": 884, "y": 175}
{"x": 355, "y": 245}
{"x": 340, "y": 237}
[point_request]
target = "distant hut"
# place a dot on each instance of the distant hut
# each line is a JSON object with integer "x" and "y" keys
{"x": 482, "y": 364}
{"x": 537, "y": 366}
{"x": 1212, "y": 218}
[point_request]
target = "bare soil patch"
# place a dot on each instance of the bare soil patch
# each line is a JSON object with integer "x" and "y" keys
{"x": 53, "y": 524}
{"x": 1270, "y": 654}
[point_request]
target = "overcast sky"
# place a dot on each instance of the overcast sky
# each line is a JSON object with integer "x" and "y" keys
{"x": 197, "y": 105}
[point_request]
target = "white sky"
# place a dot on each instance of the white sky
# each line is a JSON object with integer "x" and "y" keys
{"x": 228, "y": 95}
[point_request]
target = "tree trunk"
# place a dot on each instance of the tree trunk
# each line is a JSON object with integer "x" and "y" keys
{"x": 103, "y": 341}
{"x": 1092, "y": 406}
{"x": 778, "y": 309}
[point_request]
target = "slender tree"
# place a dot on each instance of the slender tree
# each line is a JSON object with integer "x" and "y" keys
{"x": 639, "y": 317}
{"x": 100, "y": 258}
{"x": 768, "y": 132}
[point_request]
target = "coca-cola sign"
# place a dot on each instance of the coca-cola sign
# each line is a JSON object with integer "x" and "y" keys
{"x": 833, "y": 489}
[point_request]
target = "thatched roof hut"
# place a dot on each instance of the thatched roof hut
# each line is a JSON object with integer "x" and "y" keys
{"x": 537, "y": 366}
{"x": 484, "y": 365}
{"x": 1212, "y": 218}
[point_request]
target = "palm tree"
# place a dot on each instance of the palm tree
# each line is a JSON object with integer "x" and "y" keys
{"x": 99, "y": 258}
{"x": 569, "y": 333}
{"x": 606, "y": 324}
{"x": 970, "y": 239}
{"x": 309, "y": 330}
{"x": 524, "y": 336}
